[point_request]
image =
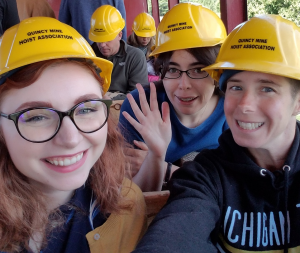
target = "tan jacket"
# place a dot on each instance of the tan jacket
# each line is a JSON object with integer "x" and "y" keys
{"x": 121, "y": 232}
{"x": 34, "y": 8}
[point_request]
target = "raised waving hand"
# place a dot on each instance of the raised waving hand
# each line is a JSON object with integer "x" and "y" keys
{"x": 155, "y": 128}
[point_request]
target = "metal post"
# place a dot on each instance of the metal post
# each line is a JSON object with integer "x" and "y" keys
{"x": 233, "y": 12}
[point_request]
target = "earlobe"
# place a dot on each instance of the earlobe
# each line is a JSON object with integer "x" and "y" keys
{"x": 120, "y": 35}
{"x": 297, "y": 105}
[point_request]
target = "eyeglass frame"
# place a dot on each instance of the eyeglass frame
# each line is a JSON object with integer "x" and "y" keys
{"x": 183, "y": 71}
{"x": 16, "y": 115}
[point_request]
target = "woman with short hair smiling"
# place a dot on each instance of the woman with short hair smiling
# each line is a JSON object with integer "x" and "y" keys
{"x": 243, "y": 196}
{"x": 188, "y": 39}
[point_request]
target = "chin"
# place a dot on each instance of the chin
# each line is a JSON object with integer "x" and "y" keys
{"x": 72, "y": 183}
{"x": 71, "y": 186}
{"x": 246, "y": 143}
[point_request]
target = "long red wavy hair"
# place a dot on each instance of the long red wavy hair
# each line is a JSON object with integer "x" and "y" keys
{"x": 22, "y": 207}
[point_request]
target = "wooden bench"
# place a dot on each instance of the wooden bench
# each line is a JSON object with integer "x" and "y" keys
{"x": 154, "y": 202}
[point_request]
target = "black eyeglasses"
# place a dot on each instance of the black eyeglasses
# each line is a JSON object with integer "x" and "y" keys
{"x": 195, "y": 73}
{"x": 41, "y": 124}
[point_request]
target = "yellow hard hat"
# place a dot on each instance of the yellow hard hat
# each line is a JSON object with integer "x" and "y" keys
{"x": 41, "y": 38}
{"x": 106, "y": 23}
{"x": 266, "y": 43}
{"x": 188, "y": 25}
{"x": 144, "y": 25}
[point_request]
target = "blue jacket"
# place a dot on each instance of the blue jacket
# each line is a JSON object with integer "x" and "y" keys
{"x": 78, "y": 13}
{"x": 184, "y": 140}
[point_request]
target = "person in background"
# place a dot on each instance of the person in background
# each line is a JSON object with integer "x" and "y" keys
{"x": 63, "y": 186}
{"x": 130, "y": 66}
{"x": 243, "y": 196}
{"x": 77, "y": 13}
{"x": 8, "y": 15}
{"x": 34, "y": 8}
{"x": 143, "y": 37}
{"x": 195, "y": 101}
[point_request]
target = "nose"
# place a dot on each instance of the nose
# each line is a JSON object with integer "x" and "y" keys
{"x": 102, "y": 44}
{"x": 68, "y": 135}
{"x": 247, "y": 102}
{"x": 184, "y": 82}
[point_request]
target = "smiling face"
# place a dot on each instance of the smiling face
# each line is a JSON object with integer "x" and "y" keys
{"x": 64, "y": 162}
{"x": 188, "y": 96}
{"x": 260, "y": 110}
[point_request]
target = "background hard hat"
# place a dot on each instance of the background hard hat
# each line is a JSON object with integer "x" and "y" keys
{"x": 188, "y": 25}
{"x": 106, "y": 23}
{"x": 144, "y": 25}
{"x": 266, "y": 43}
{"x": 41, "y": 38}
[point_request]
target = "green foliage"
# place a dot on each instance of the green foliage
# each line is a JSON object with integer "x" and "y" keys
{"x": 213, "y": 5}
{"x": 289, "y": 9}
{"x": 149, "y": 3}
{"x": 163, "y": 7}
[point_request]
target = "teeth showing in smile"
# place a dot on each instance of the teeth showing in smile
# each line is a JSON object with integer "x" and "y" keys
{"x": 186, "y": 99}
{"x": 65, "y": 161}
{"x": 249, "y": 126}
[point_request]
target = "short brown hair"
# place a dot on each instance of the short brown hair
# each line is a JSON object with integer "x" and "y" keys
{"x": 295, "y": 86}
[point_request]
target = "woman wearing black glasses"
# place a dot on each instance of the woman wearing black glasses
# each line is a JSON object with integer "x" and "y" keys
{"x": 196, "y": 105}
{"x": 62, "y": 179}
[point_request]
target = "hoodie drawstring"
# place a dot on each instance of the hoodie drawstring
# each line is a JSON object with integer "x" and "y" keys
{"x": 286, "y": 169}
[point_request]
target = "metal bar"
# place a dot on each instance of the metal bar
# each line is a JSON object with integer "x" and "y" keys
{"x": 133, "y": 8}
{"x": 155, "y": 11}
{"x": 233, "y": 12}
{"x": 171, "y": 3}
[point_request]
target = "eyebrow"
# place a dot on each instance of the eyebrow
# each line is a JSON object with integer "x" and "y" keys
{"x": 259, "y": 80}
{"x": 191, "y": 65}
{"x": 86, "y": 97}
{"x": 47, "y": 104}
{"x": 267, "y": 81}
{"x": 33, "y": 104}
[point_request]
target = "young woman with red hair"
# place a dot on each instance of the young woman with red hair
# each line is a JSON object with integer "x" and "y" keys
{"x": 62, "y": 166}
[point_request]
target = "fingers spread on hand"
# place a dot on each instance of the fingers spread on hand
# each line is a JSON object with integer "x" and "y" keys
{"x": 153, "y": 98}
{"x": 165, "y": 108}
{"x": 132, "y": 121}
{"x": 135, "y": 108}
{"x": 143, "y": 100}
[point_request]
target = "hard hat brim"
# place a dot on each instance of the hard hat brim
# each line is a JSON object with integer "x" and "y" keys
{"x": 145, "y": 34}
{"x": 105, "y": 66}
{"x": 104, "y": 38}
{"x": 18, "y": 49}
{"x": 216, "y": 70}
{"x": 106, "y": 71}
{"x": 170, "y": 46}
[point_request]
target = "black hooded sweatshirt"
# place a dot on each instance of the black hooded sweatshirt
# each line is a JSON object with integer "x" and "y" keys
{"x": 224, "y": 202}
